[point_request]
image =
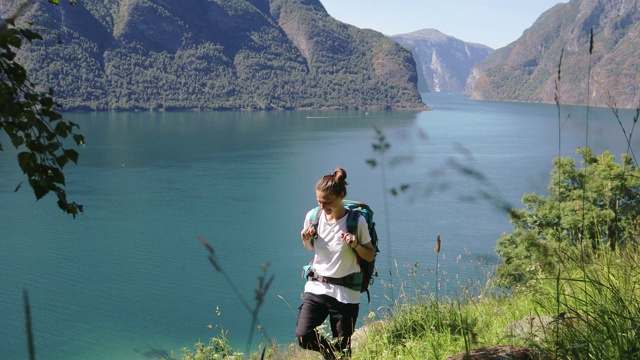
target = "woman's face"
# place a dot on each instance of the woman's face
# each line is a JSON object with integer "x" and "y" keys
{"x": 329, "y": 202}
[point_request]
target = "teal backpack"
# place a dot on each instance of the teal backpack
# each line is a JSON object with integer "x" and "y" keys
{"x": 362, "y": 280}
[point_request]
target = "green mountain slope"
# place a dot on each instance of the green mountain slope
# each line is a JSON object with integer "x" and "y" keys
{"x": 527, "y": 69}
{"x": 214, "y": 54}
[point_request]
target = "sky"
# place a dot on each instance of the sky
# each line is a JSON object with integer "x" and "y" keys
{"x": 495, "y": 23}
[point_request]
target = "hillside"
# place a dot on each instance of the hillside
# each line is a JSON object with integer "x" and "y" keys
{"x": 527, "y": 69}
{"x": 221, "y": 54}
{"x": 443, "y": 62}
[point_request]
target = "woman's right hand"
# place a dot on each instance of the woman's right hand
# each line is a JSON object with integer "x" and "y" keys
{"x": 308, "y": 233}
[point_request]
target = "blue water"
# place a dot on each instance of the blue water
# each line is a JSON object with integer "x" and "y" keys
{"x": 128, "y": 279}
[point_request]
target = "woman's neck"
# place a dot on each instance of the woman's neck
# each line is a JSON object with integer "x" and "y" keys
{"x": 335, "y": 215}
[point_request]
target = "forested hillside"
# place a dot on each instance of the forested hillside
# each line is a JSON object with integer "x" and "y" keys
{"x": 527, "y": 69}
{"x": 221, "y": 54}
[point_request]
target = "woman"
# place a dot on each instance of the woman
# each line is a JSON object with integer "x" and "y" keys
{"x": 334, "y": 258}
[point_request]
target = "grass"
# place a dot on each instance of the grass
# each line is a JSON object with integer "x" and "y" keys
{"x": 600, "y": 303}
{"x": 588, "y": 311}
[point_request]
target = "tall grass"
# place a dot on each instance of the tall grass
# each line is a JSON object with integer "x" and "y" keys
{"x": 589, "y": 310}
{"x": 27, "y": 320}
{"x": 219, "y": 346}
{"x": 597, "y": 304}
{"x": 422, "y": 327}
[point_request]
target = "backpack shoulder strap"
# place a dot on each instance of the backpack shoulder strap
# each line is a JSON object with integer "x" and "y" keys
{"x": 353, "y": 216}
{"x": 315, "y": 218}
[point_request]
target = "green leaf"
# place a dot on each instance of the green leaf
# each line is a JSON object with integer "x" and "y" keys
{"x": 55, "y": 175}
{"x": 52, "y": 115}
{"x": 62, "y": 160}
{"x": 38, "y": 189}
{"x": 17, "y": 140}
{"x": 14, "y": 110}
{"x": 30, "y": 35}
{"x": 52, "y": 147}
{"x": 47, "y": 102}
{"x": 13, "y": 40}
{"x": 72, "y": 155}
{"x": 27, "y": 162}
{"x": 79, "y": 139}
{"x": 62, "y": 129}
{"x": 17, "y": 73}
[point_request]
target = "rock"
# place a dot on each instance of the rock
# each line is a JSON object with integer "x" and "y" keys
{"x": 500, "y": 352}
{"x": 539, "y": 328}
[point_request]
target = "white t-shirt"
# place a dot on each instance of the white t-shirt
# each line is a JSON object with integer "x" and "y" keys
{"x": 334, "y": 258}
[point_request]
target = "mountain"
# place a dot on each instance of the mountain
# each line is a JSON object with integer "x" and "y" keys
{"x": 558, "y": 43}
{"x": 443, "y": 62}
{"x": 213, "y": 54}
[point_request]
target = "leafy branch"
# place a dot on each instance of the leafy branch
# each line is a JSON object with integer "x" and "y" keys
{"x": 29, "y": 118}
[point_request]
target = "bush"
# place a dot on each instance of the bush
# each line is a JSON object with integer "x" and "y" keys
{"x": 589, "y": 208}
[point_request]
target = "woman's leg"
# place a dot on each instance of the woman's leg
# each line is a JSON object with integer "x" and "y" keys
{"x": 312, "y": 314}
{"x": 343, "y": 319}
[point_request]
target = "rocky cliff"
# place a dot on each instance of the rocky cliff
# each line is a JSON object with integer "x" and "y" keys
{"x": 443, "y": 62}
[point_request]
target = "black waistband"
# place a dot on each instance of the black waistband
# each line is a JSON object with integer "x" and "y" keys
{"x": 352, "y": 281}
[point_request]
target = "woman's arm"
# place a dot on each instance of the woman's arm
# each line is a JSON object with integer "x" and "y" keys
{"x": 307, "y": 236}
{"x": 366, "y": 251}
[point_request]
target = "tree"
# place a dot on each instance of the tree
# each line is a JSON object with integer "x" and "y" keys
{"x": 30, "y": 120}
{"x": 594, "y": 206}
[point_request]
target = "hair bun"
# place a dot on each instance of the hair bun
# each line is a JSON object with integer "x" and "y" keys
{"x": 335, "y": 183}
{"x": 340, "y": 175}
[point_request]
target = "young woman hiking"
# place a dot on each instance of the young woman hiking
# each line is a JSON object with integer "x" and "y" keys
{"x": 327, "y": 291}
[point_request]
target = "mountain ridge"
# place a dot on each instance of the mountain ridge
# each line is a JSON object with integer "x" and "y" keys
{"x": 556, "y": 50}
{"x": 205, "y": 55}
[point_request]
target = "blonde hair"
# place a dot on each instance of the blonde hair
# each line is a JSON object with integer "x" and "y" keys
{"x": 334, "y": 184}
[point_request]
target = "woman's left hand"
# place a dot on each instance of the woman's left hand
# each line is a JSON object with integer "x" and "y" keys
{"x": 350, "y": 239}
